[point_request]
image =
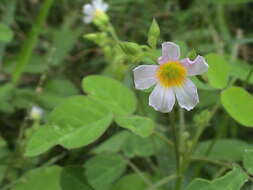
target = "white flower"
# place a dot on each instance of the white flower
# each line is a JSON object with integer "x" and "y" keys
{"x": 36, "y": 112}
{"x": 94, "y": 9}
{"x": 170, "y": 79}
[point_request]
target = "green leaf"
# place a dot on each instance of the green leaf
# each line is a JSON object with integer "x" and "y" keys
{"x": 139, "y": 125}
{"x": 130, "y": 181}
{"x": 6, "y": 33}
{"x": 103, "y": 170}
{"x": 153, "y": 35}
{"x": 218, "y": 71}
{"x": 115, "y": 96}
{"x": 113, "y": 144}
{"x": 239, "y": 105}
{"x": 233, "y": 180}
{"x": 72, "y": 177}
{"x": 248, "y": 160}
{"x": 220, "y": 149}
{"x": 76, "y": 122}
{"x": 198, "y": 184}
{"x": 41, "y": 179}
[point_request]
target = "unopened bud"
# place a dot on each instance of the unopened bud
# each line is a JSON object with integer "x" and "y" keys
{"x": 36, "y": 113}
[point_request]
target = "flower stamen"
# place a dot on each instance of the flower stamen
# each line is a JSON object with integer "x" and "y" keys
{"x": 171, "y": 74}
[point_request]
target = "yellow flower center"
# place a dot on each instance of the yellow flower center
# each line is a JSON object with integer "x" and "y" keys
{"x": 98, "y": 13}
{"x": 171, "y": 74}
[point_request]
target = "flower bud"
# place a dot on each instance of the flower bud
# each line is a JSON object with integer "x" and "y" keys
{"x": 130, "y": 48}
{"x": 36, "y": 113}
{"x": 153, "y": 35}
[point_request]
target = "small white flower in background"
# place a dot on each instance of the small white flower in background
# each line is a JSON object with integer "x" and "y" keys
{"x": 94, "y": 9}
{"x": 36, "y": 113}
{"x": 170, "y": 79}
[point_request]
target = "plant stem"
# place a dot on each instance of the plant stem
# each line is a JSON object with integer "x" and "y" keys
{"x": 187, "y": 157}
{"x": 162, "y": 182}
{"x": 163, "y": 138}
{"x": 29, "y": 45}
{"x": 176, "y": 148}
{"x": 181, "y": 127}
{"x": 215, "y": 162}
{"x": 138, "y": 171}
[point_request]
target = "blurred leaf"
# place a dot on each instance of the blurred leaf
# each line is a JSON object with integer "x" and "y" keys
{"x": 201, "y": 85}
{"x": 54, "y": 93}
{"x": 233, "y": 180}
{"x": 130, "y": 181}
{"x": 240, "y": 69}
{"x": 72, "y": 177}
{"x": 239, "y": 104}
{"x": 103, "y": 170}
{"x": 208, "y": 98}
{"x": 64, "y": 39}
{"x": 4, "y": 150}
{"x": 113, "y": 144}
{"x": 153, "y": 35}
{"x": 224, "y": 2}
{"x": 6, "y": 33}
{"x": 24, "y": 98}
{"x": 218, "y": 71}
{"x": 38, "y": 64}
{"x": 248, "y": 160}
{"x": 137, "y": 146}
{"x": 114, "y": 95}
{"x": 139, "y": 125}
{"x": 41, "y": 179}
{"x": 76, "y": 122}
{"x": 2, "y": 172}
{"x": 6, "y": 94}
{"x": 220, "y": 149}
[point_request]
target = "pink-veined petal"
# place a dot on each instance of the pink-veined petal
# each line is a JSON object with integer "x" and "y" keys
{"x": 187, "y": 95}
{"x": 144, "y": 76}
{"x": 170, "y": 52}
{"x": 162, "y": 99}
{"x": 195, "y": 67}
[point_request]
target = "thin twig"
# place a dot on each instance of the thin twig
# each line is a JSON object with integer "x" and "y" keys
{"x": 162, "y": 182}
{"x": 138, "y": 171}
